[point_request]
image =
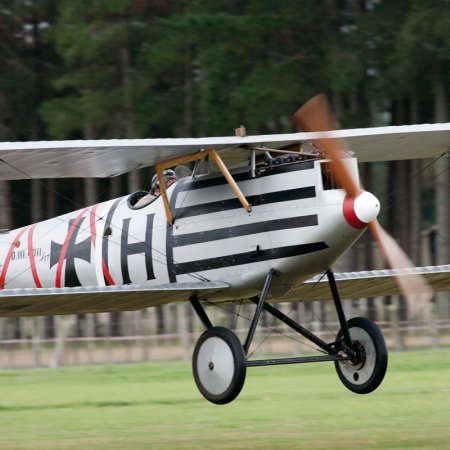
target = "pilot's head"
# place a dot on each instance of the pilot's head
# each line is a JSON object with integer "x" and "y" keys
{"x": 169, "y": 177}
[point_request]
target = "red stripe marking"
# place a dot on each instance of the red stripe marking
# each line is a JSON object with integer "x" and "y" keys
{"x": 105, "y": 270}
{"x": 12, "y": 247}
{"x": 37, "y": 282}
{"x": 106, "y": 273}
{"x": 65, "y": 246}
{"x": 350, "y": 214}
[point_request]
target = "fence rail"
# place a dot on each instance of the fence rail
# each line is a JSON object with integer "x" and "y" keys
{"x": 30, "y": 353}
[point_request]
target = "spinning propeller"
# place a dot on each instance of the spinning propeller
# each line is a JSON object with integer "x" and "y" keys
{"x": 316, "y": 115}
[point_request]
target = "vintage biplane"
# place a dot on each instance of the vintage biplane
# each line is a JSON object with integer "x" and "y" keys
{"x": 257, "y": 219}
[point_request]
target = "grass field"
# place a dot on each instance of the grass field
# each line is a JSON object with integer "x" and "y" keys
{"x": 152, "y": 406}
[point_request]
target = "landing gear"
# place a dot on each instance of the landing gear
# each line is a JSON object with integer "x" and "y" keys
{"x": 365, "y": 372}
{"x": 219, "y": 365}
{"x": 220, "y": 360}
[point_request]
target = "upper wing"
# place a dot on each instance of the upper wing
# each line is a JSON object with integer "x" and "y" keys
{"x": 49, "y": 301}
{"x": 368, "y": 284}
{"x": 401, "y": 142}
{"x": 106, "y": 158}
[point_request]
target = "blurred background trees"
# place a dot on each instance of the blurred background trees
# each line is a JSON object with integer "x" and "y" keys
{"x": 160, "y": 68}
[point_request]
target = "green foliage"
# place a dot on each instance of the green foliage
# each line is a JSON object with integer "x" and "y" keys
{"x": 137, "y": 68}
{"x": 26, "y": 68}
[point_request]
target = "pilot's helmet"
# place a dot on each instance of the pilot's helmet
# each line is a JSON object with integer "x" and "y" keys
{"x": 155, "y": 182}
{"x": 168, "y": 176}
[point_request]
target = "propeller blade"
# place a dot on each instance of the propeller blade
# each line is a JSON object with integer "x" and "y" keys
{"x": 414, "y": 288}
{"x": 316, "y": 115}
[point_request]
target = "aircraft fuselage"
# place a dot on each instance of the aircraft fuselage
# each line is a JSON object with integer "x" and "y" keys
{"x": 296, "y": 226}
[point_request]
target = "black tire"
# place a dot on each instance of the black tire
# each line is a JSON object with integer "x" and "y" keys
{"x": 219, "y": 365}
{"x": 367, "y": 373}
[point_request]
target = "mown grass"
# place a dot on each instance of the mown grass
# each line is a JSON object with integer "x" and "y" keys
{"x": 153, "y": 406}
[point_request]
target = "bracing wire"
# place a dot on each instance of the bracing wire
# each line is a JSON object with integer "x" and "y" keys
{"x": 270, "y": 329}
{"x": 408, "y": 194}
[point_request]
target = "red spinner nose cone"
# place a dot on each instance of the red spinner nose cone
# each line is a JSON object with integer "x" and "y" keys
{"x": 361, "y": 210}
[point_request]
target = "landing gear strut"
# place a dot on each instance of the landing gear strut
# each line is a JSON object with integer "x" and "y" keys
{"x": 220, "y": 360}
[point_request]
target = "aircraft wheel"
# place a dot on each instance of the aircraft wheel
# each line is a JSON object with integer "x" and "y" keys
{"x": 219, "y": 365}
{"x": 367, "y": 373}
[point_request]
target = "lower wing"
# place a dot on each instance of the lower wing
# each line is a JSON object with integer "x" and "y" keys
{"x": 76, "y": 300}
{"x": 373, "y": 283}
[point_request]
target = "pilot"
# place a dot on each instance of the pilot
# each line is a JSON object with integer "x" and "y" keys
{"x": 169, "y": 178}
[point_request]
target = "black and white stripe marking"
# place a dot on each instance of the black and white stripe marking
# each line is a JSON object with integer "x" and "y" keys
{"x": 197, "y": 265}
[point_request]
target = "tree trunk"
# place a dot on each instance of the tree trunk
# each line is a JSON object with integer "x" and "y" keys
{"x": 5, "y": 205}
{"x": 414, "y": 192}
{"x": 442, "y": 189}
{"x": 442, "y": 182}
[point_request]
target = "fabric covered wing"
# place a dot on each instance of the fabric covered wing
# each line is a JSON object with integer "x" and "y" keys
{"x": 107, "y": 158}
{"x": 50, "y": 301}
{"x": 373, "y": 283}
{"x": 401, "y": 142}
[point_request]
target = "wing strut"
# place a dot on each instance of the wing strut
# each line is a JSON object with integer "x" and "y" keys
{"x": 195, "y": 157}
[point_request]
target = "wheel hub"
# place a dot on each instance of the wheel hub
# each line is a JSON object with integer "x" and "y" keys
{"x": 359, "y": 358}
